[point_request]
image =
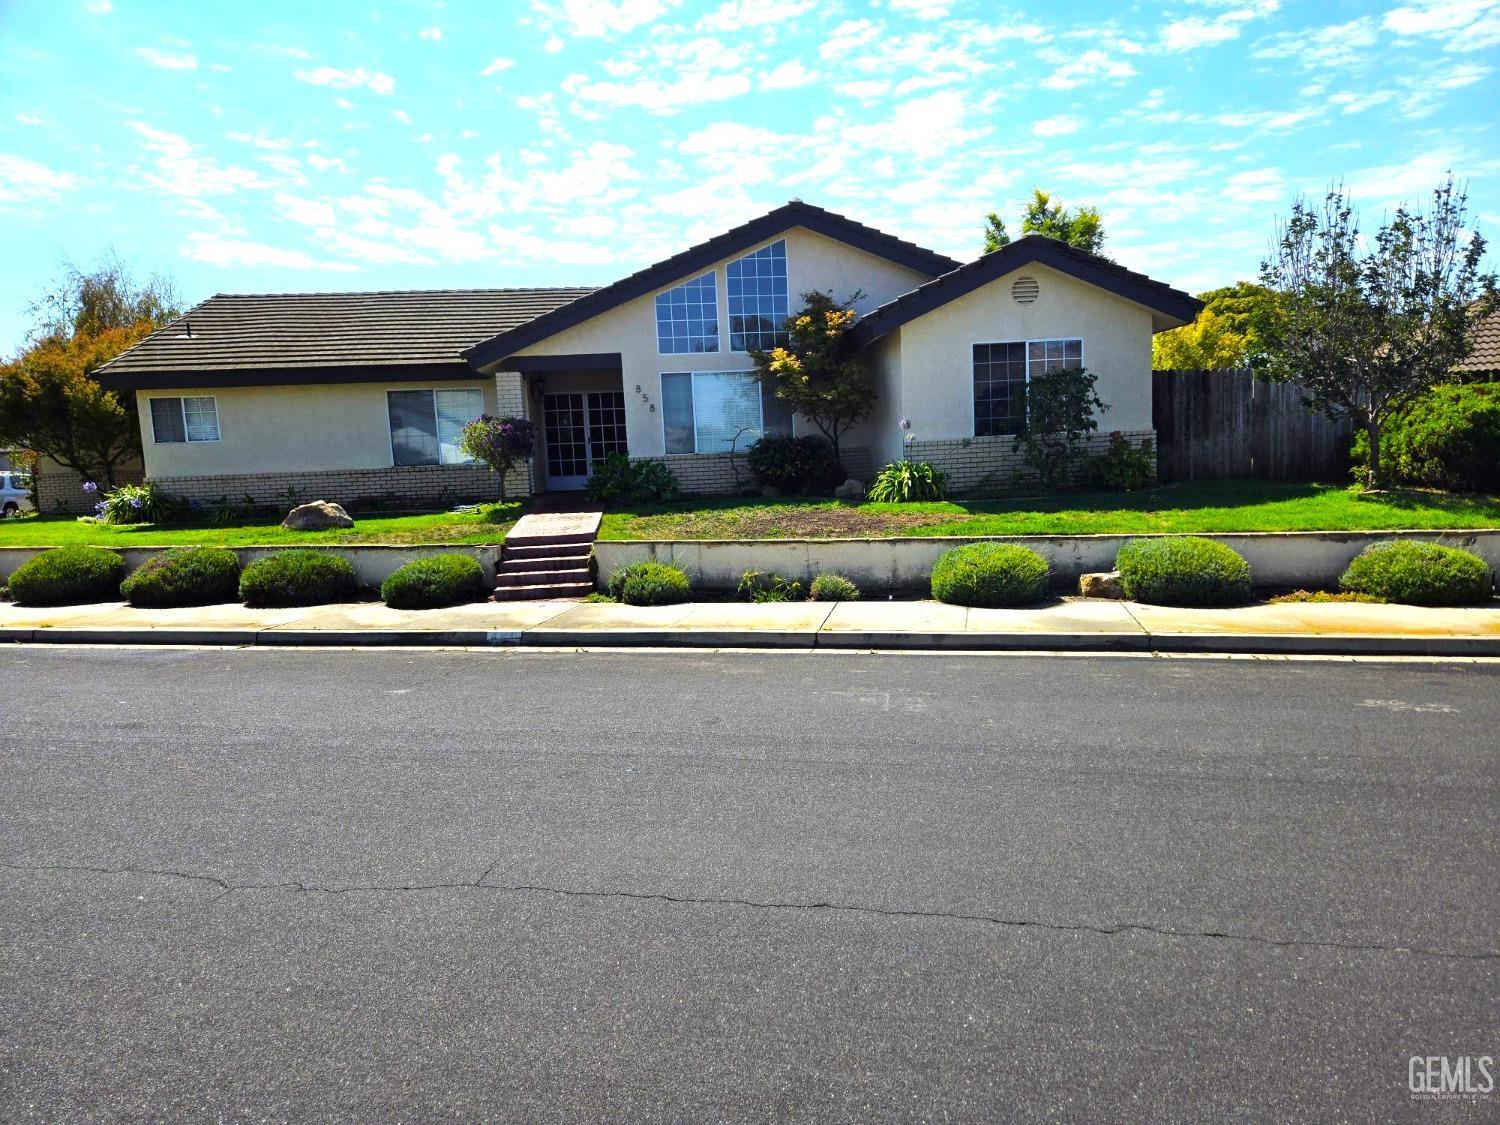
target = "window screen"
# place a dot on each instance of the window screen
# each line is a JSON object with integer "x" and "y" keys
{"x": 166, "y": 421}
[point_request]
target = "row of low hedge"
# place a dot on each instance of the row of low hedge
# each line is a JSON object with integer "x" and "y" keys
{"x": 192, "y": 576}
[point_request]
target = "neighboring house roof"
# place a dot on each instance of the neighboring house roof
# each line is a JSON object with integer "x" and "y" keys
{"x": 1486, "y": 354}
{"x": 281, "y": 338}
{"x": 1173, "y": 304}
{"x": 696, "y": 258}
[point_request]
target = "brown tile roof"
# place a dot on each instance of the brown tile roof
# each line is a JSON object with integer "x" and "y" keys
{"x": 268, "y": 331}
{"x": 1486, "y": 353}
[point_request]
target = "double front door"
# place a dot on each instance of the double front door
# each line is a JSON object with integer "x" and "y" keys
{"x": 580, "y": 429}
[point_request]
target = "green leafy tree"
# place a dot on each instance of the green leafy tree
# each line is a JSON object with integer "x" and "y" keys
{"x": 50, "y": 402}
{"x": 1229, "y": 332}
{"x": 818, "y": 372}
{"x": 500, "y": 443}
{"x": 1368, "y": 324}
{"x": 1082, "y": 228}
{"x": 1061, "y": 409}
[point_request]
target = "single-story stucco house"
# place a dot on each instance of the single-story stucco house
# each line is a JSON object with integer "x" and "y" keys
{"x": 350, "y": 396}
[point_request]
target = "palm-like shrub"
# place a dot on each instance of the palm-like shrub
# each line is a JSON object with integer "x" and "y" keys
{"x": 1183, "y": 570}
{"x": 764, "y": 586}
{"x": 433, "y": 582}
{"x": 68, "y": 576}
{"x": 905, "y": 481}
{"x": 184, "y": 576}
{"x": 992, "y": 575}
{"x": 1419, "y": 574}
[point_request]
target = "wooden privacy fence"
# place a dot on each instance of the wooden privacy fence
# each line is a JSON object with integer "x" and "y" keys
{"x": 1230, "y": 424}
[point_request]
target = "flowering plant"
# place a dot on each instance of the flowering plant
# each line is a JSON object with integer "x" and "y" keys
{"x": 500, "y": 443}
{"x": 138, "y": 503}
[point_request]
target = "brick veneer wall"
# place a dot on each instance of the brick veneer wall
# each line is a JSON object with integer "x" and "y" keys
{"x": 415, "y": 486}
{"x": 996, "y": 463}
{"x": 59, "y": 490}
{"x": 711, "y": 474}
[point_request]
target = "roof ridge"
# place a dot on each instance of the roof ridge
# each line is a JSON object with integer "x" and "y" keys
{"x": 409, "y": 292}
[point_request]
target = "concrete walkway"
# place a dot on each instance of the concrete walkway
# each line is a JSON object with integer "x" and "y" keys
{"x": 1071, "y": 623}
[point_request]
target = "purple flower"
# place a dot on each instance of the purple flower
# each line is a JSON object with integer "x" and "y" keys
{"x": 906, "y": 423}
{"x": 137, "y": 502}
{"x": 90, "y": 486}
{"x": 99, "y": 507}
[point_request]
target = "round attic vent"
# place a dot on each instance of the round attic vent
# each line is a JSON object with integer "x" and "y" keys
{"x": 1024, "y": 290}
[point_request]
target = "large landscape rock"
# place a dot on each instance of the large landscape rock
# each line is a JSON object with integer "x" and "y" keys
{"x": 851, "y": 489}
{"x": 316, "y": 516}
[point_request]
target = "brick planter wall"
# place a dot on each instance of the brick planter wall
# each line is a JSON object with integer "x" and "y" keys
{"x": 985, "y": 463}
{"x": 711, "y": 474}
{"x": 414, "y": 486}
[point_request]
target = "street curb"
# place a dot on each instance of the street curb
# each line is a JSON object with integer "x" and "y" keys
{"x": 1232, "y": 643}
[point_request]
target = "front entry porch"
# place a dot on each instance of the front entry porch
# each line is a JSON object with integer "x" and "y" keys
{"x": 578, "y": 405}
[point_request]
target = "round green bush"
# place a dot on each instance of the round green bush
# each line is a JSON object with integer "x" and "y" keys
{"x": 833, "y": 588}
{"x": 435, "y": 581}
{"x": 292, "y": 578}
{"x": 650, "y": 583}
{"x": 991, "y": 575}
{"x": 1448, "y": 438}
{"x": 1418, "y": 574}
{"x": 1183, "y": 570}
{"x": 184, "y": 576}
{"x": 795, "y": 465}
{"x": 68, "y": 576}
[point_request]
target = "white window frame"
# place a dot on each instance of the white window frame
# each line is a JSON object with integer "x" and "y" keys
{"x": 974, "y": 413}
{"x": 390, "y": 438}
{"x": 182, "y": 401}
{"x": 760, "y": 405}
{"x": 719, "y": 321}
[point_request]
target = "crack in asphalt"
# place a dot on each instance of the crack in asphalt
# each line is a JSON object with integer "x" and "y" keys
{"x": 479, "y": 883}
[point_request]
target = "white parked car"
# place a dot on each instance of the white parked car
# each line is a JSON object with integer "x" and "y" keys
{"x": 15, "y": 493}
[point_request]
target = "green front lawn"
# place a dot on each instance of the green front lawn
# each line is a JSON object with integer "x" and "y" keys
{"x": 1225, "y": 505}
{"x": 488, "y": 525}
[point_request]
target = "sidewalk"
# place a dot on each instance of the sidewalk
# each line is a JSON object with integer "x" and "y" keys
{"x": 1073, "y": 623}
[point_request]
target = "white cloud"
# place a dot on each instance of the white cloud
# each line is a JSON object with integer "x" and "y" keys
{"x": 923, "y": 9}
{"x": 788, "y": 76}
{"x": 219, "y": 251}
{"x": 863, "y": 89}
{"x": 181, "y": 171}
{"x": 432, "y": 34}
{"x": 1263, "y": 185}
{"x": 736, "y": 15}
{"x": 24, "y": 118}
{"x": 1192, "y": 32}
{"x": 1464, "y": 25}
{"x": 99, "y": 7}
{"x": 553, "y": 45}
{"x": 850, "y": 36}
{"x": 377, "y": 82}
{"x": 307, "y": 212}
{"x": 1075, "y": 70}
{"x": 496, "y": 65}
{"x": 589, "y": 18}
{"x": 168, "y": 60}
{"x": 26, "y": 181}
{"x": 1058, "y": 126}
{"x": 666, "y": 76}
{"x": 1333, "y": 47}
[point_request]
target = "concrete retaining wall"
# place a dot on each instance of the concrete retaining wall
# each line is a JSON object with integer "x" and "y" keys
{"x": 373, "y": 564}
{"x": 1277, "y": 559}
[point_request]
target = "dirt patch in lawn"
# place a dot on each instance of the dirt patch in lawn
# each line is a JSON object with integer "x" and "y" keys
{"x": 786, "y": 522}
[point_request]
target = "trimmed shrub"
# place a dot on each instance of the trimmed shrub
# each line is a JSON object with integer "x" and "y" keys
{"x": 904, "y": 481}
{"x": 1418, "y": 574}
{"x": 1448, "y": 438}
{"x": 763, "y": 586}
{"x": 292, "y": 578}
{"x": 619, "y": 480}
{"x": 1183, "y": 570}
{"x": 794, "y": 465}
{"x": 184, "y": 576}
{"x": 433, "y": 582}
{"x": 993, "y": 575}
{"x": 650, "y": 583}
{"x": 833, "y": 588}
{"x": 68, "y": 576}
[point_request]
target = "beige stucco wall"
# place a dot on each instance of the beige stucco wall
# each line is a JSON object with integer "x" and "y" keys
{"x": 813, "y": 262}
{"x": 289, "y": 429}
{"x": 936, "y": 363}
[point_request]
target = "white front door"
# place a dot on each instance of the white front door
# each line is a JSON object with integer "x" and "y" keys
{"x": 579, "y": 430}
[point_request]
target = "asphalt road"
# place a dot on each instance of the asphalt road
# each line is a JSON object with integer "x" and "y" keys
{"x": 369, "y": 886}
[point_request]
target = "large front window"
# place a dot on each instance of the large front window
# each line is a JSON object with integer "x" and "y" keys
{"x": 184, "y": 419}
{"x": 687, "y": 317}
{"x": 758, "y": 299}
{"x": 426, "y": 425}
{"x": 1001, "y": 372}
{"x": 712, "y": 411}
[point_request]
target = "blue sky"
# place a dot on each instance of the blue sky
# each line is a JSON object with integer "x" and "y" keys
{"x": 313, "y": 146}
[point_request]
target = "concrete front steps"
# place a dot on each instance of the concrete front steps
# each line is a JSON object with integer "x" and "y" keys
{"x": 546, "y": 555}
